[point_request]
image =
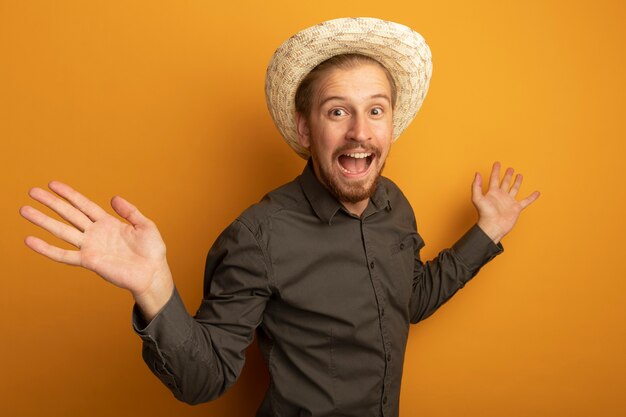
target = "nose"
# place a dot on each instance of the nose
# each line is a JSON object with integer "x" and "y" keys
{"x": 359, "y": 130}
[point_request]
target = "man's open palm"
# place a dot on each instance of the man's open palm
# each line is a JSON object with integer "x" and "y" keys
{"x": 128, "y": 255}
{"x": 499, "y": 209}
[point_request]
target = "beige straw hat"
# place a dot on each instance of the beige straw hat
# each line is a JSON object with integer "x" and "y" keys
{"x": 398, "y": 48}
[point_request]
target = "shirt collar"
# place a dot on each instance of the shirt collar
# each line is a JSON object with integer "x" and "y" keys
{"x": 325, "y": 205}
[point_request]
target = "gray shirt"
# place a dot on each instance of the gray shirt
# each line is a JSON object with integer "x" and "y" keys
{"x": 330, "y": 294}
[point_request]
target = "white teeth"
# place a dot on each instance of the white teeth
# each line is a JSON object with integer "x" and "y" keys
{"x": 358, "y": 155}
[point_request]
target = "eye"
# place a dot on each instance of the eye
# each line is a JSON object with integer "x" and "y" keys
{"x": 376, "y": 111}
{"x": 337, "y": 112}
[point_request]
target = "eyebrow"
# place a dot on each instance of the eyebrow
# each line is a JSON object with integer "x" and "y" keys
{"x": 380, "y": 95}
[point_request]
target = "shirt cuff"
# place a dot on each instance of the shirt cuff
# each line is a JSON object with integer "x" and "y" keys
{"x": 170, "y": 328}
{"x": 475, "y": 248}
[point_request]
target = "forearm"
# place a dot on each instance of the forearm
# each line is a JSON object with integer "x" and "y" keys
{"x": 438, "y": 280}
{"x": 180, "y": 352}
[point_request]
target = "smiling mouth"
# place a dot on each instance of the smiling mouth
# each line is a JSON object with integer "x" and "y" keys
{"x": 355, "y": 163}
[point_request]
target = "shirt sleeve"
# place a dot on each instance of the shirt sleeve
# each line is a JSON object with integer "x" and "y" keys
{"x": 198, "y": 358}
{"x": 436, "y": 281}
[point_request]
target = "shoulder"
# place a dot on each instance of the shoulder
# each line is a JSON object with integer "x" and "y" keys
{"x": 394, "y": 192}
{"x": 286, "y": 198}
{"x": 401, "y": 209}
{"x": 254, "y": 224}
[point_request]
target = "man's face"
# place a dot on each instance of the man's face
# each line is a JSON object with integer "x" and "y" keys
{"x": 349, "y": 130}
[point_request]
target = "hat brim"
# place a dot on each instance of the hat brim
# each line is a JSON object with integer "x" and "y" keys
{"x": 401, "y": 50}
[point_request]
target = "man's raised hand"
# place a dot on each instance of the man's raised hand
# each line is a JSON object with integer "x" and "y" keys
{"x": 129, "y": 255}
{"x": 499, "y": 209}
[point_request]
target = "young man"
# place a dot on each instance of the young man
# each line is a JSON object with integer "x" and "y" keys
{"x": 326, "y": 267}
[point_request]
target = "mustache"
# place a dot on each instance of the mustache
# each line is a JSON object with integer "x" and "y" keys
{"x": 357, "y": 147}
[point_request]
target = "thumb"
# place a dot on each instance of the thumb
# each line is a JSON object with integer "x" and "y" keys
{"x": 477, "y": 188}
{"x": 128, "y": 211}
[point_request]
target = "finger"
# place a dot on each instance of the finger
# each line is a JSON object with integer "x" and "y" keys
{"x": 516, "y": 185}
{"x": 70, "y": 257}
{"x": 57, "y": 228}
{"x": 61, "y": 207}
{"x": 477, "y": 188}
{"x": 91, "y": 209}
{"x": 494, "y": 182}
{"x": 128, "y": 211}
{"x": 506, "y": 181}
{"x": 530, "y": 199}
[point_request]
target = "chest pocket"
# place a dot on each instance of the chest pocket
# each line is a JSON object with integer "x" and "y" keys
{"x": 407, "y": 247}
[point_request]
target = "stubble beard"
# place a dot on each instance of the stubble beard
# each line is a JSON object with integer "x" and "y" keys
{"x": 354, "y": 192}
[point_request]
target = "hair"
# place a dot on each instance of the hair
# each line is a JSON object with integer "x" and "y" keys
{"x": 305, "y": 90}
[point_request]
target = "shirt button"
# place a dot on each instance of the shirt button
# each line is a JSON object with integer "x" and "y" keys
{"x": 372, "y": 264}
{"x": 388, "y": 357}
{"x": 385, "y": 399}
{"x": 382, "y": 311}
{"x": 401, "y": 246}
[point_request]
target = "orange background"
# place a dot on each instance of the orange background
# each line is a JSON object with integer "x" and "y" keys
{"x": 162, "y": 103}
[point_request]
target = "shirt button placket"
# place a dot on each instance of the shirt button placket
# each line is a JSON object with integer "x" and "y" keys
{"x": 380, "y": 299}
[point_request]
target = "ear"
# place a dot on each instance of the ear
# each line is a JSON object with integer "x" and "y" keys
{"x": 304, "y": 133}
